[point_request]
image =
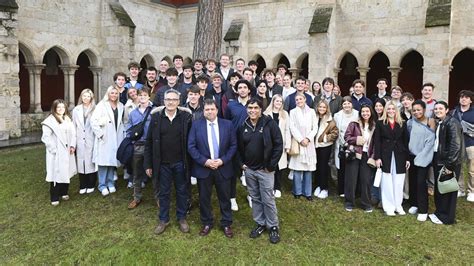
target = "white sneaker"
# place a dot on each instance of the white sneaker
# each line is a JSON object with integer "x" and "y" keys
{"x": 249, "y": 199}
{"x": 193, "y": 180}
{"x": 242, "y": 179}
{"x": 435, "y": 219}
{"x": 277, "y": 193}
{"x": 461, "y": 194}
{"x": 341, "y": 195}
{"x": 317, "y": 191}
{"x": 143, "y": 184}
{"x": 82, "y": 191}
{"x": 233, "y": 205}
{"x": 105, "y": 192}
{"x": 65, "y": 197}
{"x": 115, "y": 176}
{"x": 422, "y": 217}
{"x": 55, "y": 203}
{"x": 400, "y": 211}
{"x": 390, "y": 213}
{"x": 126, "y": 175}
{"x": 290, "y": 175}
{"x": 413, "y": 210}
{"x": 323, "y": 194}
{"x": 112, "y": 189}
{"x": 130, "y": 184}
{"x": 470, "y": 197}
{"x": 90, "y": 190}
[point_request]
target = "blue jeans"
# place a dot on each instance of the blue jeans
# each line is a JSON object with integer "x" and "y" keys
{"x": 168, "y": 173}
{"x": 302, "y": 183}
{"x": 106, "y": 177}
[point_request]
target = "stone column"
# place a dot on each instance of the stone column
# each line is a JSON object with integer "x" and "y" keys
{"x": 336, "y": 74}
{"x": 69, "y": 96}
{"x": 31, "y": 74}
{"x": 394, "y": 70}
{"x": 35, "y": 85}
{"x": 363, "y": 73}
{"x": 96, "y": 71}
{"x": 295, "y": 72}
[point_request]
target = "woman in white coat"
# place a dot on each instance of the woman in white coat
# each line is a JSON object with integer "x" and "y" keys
{"x": 303, "y": 128}
{"x": 106, "y": 122}
{"x": 81, "y": 116}
{"x": 59, "y": 137}
{"x": 275, "y": 110}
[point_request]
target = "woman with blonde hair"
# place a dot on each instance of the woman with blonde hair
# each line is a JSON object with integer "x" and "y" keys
{"x": 81, "y": 116}
{"x": 303, "y": 128}
{"x": 59, "y": 137}
{"x": 106, "y": 122}
{"x": 325, "y": 137}
{"x": 276, "y": 112}
{"x": 391, "y": 154}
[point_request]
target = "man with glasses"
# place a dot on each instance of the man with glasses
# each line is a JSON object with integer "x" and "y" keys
{"x": 166, "y": 154}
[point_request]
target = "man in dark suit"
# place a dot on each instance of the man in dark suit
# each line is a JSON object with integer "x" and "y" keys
{"x": 212, "y": 144}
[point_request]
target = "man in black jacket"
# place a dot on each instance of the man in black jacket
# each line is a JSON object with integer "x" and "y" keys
{"x": 260, "y": 148}
{"x": 166, "y": 154}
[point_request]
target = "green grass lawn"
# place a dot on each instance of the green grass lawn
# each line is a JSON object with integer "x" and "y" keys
{"x": 90, "y": 229}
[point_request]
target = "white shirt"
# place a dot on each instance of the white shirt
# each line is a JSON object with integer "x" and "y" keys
{"x": 225, "y": 72}
{"x": 288, "y": 91}
{"x": 366, "y": 135}
{"x": 209, "y": 137}
{"x": 436, "y": 143}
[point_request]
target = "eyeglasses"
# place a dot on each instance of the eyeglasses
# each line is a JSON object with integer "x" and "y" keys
{"x": 171, "y": 100}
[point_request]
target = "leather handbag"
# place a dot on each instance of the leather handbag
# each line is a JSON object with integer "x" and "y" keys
{"x": 450, "y": 184}
{"x": 294, "y": 148}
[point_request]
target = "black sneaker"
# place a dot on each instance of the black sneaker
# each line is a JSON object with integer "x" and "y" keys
{"x": 274, "y": 235}
{"x": 257, "y": 231}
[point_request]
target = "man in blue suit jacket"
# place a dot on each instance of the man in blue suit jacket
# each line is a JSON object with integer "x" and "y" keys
{"x": 212, "y": 144}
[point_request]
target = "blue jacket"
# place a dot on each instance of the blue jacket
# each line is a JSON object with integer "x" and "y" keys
{"x": 467, "y": 122}
{"x": 236, "y": 112}
{"x": 198, "y": 148}
{"x": 137, "y": 117}
{"x": 290, "y": 102}
{"x": 357, "y": 104}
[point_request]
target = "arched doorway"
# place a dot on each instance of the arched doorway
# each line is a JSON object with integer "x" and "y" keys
{"x": 24, "y": 82}
{"x": 348, "y": 73}
{"x": 283, "y": 60}
{"x": 410, "y": 78}
{"x": 52, "y": 79}
{"x": 83, "y": 77}
{"x": 461, "y": 76}
{"x": 261, "y": 64}
{"x": 143, "y": 65}
{"x": 378, "y": 69}
{"x": 303, "y": 64}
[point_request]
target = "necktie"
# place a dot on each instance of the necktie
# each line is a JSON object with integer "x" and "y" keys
{"x": 215, "y": 144}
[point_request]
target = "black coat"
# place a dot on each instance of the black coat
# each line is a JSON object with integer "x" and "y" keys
{"x": 386, "y": 141}
{"x": 152, "y": 154}
{"x": 451, "y": 148}
{"x": 272, "y": 139}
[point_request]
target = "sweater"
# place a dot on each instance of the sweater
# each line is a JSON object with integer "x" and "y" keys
{"x": 421, "y": 142}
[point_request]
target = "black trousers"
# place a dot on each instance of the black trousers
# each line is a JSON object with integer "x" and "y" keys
{"x": 277, "y": 179}
{"x": 418, "y": 188}
{"x": 358, "y": 171}
{"x": 233, "y": 179}
{"x": 58, "y": 190}
{"x": 322, "y": 167}
{"x": 87, "y": 180}
{"x": 223, "y": 187}
{"x": 445, "y": 203}
{"x": 341, "y": 176}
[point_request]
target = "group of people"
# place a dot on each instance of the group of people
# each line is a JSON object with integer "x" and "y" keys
{"x": 209, "y": 124}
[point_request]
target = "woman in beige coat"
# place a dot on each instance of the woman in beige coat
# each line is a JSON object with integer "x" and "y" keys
{"x": 276, "y": 112}
{"x": 59, "y": 137}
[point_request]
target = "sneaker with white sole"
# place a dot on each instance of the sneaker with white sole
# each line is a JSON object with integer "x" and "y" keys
{"x": 242, "y": 179}
{"x": 422, "y": 217}
{"x": 277, "y": 193}
{"x": 317, "y": 191}
{"x": 390, "y": 213}
{"x": 143, "y": 184}
{"x": 290, "y": 175}
{"x": 470, "y": 197}
{"x": 193, "y": 180}
{"x": 55, "y": 203}
{"x": 461, "y": 194}
{"x": 413, "y": 210}
{"x": 323, "y": 194}
{"x": 130, "y": 184}
{"x": 400, "y": 211}
{"x": 90, "y": 190}
{"x": 249, "y": 199}
{"x": 105, "y": 192}
{"x": 233, "y": 205}
{"x": 115, "y": 176}
{"x": 435, "y": 219}
{"x": 82, "y": 191}
{"x": 126, "y": 175}
{"x": 65, "y": 197}
{"x": 112, "y": 189}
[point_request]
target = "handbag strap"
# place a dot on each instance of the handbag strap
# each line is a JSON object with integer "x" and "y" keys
{"x": 442, "y": 171}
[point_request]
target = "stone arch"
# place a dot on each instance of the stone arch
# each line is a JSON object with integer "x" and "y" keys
{"x": 52, "y": 77}
{"x": 83, "y": 76}
{"x": 61, "y": 52}
{"x": 262, "y": 64}
{"x": 461, "y": 76}
{"x": 348, "y": 72}
{"x": 378, "y": 65}
{"x": 92, "y": 56}
{"x": 147, "y": 60}
{"x": 26, "y": 50}
{"x": 410, "y": 78}
{"x": 353, "y": 52}
{"x": 25, "y": 56}
{"x": 281, "y": 59}
{"x": 303, "y": 64}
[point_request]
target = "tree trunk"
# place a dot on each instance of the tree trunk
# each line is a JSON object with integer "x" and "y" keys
{"x": 208, "y": 36}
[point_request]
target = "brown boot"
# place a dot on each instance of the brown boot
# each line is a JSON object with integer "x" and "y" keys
{"x": 161, "y": 227}
{"x": 133, "y": 204}
{"x": 183, "y": 226}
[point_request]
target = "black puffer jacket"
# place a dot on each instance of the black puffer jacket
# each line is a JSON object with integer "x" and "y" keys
{"x": 451, "y": 148}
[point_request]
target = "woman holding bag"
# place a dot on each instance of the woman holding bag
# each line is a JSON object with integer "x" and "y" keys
{"x": 449, "y": 150}
{"x": 303, "y": 128}
{"x": 391, "y": 154}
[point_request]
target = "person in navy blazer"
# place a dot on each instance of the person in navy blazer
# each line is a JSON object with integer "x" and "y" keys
{"x": 210, "y": 168}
